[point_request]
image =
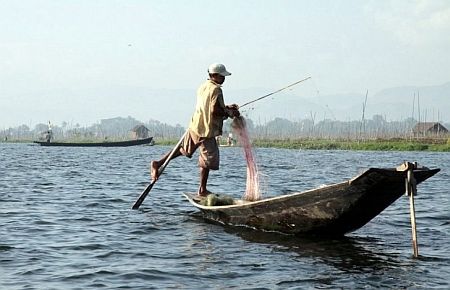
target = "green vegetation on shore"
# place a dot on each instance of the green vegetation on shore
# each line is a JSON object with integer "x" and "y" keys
{"x": 374, "y": 134}
{"x": 437, "y": 145}
{"x": 375, "y": 145}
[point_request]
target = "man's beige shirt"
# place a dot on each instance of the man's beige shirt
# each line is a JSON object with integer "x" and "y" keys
{"x": 203, "y": 123}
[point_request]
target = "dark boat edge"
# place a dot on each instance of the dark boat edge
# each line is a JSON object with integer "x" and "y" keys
{"x": 98, "y": 144}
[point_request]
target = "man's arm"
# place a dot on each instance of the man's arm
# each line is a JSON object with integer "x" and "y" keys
{"x": 220, "y": 110}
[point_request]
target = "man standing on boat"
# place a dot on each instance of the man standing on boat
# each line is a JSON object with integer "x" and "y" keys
{"x": 206, "y": 124}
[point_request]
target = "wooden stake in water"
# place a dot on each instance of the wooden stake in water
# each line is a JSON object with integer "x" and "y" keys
{"x": 411, "y": 190}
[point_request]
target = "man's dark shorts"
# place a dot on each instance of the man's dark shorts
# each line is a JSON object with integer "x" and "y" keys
{"x": 209, "y": 151}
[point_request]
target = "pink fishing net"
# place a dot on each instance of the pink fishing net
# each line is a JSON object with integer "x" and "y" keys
{"x": 252, "y": 191}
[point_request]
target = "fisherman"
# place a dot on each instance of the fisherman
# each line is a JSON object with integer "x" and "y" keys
{"x": 206, "y": 124}
{"x": 218, "y": 139}
{"x": 48, "y": 136}
{"x": 230, "y": 139}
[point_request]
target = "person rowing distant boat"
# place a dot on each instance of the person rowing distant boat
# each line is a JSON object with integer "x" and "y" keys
{"x": 206, "y": 124}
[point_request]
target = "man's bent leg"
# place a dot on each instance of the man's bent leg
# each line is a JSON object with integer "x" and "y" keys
{"x": 208, "y": 160}
{"x": 204, "y": 174}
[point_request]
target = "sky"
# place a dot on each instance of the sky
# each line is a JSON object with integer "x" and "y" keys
{"x": 83, "y": 61}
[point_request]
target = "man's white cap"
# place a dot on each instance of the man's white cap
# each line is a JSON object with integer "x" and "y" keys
{"x": 218, "y": 68}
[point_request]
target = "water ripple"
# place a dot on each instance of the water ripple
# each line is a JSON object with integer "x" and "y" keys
{"x": 66, "y": 223}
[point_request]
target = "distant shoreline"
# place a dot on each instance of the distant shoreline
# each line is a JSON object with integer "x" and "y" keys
{"x": 430, "y": 144}
{"x": 433, "y": 145}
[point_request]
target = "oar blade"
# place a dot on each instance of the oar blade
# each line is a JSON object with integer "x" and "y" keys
{"x": 143, "y": 195}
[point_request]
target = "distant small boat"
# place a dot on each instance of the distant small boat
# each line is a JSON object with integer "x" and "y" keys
{"x": 98, "y": 144}
{"x": 333, "y": 210}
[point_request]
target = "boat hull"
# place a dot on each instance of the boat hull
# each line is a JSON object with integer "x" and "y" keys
{"x": 332, "y": 210}
{"x": 99, "y": 144}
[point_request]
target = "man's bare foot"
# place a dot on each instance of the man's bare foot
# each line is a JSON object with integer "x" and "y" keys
{"x": 154, "y": 167}
{"x": 204, "y": 193}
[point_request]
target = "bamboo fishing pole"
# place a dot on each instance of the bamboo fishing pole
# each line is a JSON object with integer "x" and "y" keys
{"x": 277, "y": 91}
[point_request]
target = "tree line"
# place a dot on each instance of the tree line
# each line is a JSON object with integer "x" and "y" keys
{"x": 119, "y": 128}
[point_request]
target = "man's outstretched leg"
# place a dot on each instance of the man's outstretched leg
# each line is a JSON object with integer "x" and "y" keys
{"x": 156, "y": 164}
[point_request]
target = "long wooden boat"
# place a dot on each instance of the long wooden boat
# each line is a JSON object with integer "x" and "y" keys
{"x": 98, "y": 144}
{"x": 333, "y": 210}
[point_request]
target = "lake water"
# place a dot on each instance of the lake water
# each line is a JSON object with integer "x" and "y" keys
{"x": 66, "y": 223}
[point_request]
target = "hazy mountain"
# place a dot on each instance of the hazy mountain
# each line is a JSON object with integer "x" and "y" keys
{"x": 393, "y": 104}
{"x": 432, "y": 101}
{"x": 175, "y": 106}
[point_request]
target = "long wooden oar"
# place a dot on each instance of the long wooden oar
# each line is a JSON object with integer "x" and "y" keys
{"x": 149, "y": 187}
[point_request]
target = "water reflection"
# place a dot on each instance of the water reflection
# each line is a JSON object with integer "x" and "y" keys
{"x": 349, "y": 254}
{"x": 346, "y": 253}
